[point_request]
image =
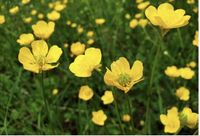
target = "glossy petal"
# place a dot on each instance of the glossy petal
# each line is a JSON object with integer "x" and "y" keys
{"x": 151, "y": 13}
{"x": 39, "y": 48}
{"x": 137, "y": 70}
{"x": 54, "y": 54}
{"x": 25, "y": 56}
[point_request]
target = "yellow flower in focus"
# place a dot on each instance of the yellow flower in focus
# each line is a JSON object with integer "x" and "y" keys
{"x": 90, "y": 33}
{"x": 195, "y": 41}
{"x": 183, "y": 93}
{"x": 33, "y": 12}
{"x": 59, "y": 7}
{"x": 40, "y": 16}
{"x": 14, "y": 10}
{"x": 189, "y": 118}
{"x": 143, "y": 22}
{"x": 171, "y": 120}
{"x": 192, "y": 64}
{"x": 186, "y": 73}
{"x": 172, "y": 71}
{"x": 100, "y": 21}
{"x": 133, "y": 23}
{"x": 55, "y": 91}
{"x": 77, "y": 48}
{"x": 138, "y": 15}
{"x": 90, "y": 41}
{"x": 54, "y": 15}
{"x": 43, "y": 30}
{"x": 128, "y": 16}
{"x": 126, "y": 117}
{"x": 99, "y": 117}
{"x": 107, "y": 98}
{"x": 143, "y": 5}
{"x": 40, "y": 58}
{"x": 25, "y": 39}
{"x": 83, "y": 65}
{"x": 166, "y": 17}
{"x": 2, "y": 19}
{"x": 85, "y": 93}
{"x": 25, "y": 1}
{"x": 27, "y": 20}
{"x": 122, "y": 76}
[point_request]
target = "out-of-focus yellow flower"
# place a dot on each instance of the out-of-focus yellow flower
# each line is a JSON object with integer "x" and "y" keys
{"x": 25, "y": 39}
{"x": 55, "y": 91}
{"x": 90, "y": 41}
{"x": 100, "y": 21}
{"x": 172, "y": 71}
{"x": 122, "y": 76}
{"x": 14, "y": 10}
{"x": 139, "y": 1}
{"x": 171, "y": 120}
{"x": 99, "y": 117}
{"x": 195, "y": 41}
{"x": 83, "y": 65}
{"x": 126, "y": 117}
{"x": 186, "y": 73}
{"x": 133, "y": 23}
{"x": 40, "y": 16}
{"x": 65, "y": 1}
{"x": 190, "y": 1}
{"x": 73, "y": 25}
{"x": 59, "y": 7}
{"x": 142, "y": 122}
{"x": 183, "y": 93}
{"x": 90, "y": 33}
{"x": 195, "y": 10}
{"x": 66, "y": 45}
{"x": 171, "y": 0}
{"x": 138, "y": 15}
{"x": 43, "y": 30}
{"x": 143, "y": 22}
{"x": 85, "y": 93}
{"x": 68, "y": 22}
{"x": 77, "y": 48}
{"x": 25, "y": 1}
{"x": 50, "y": 5}
{"x": 2, "y": 19}
{"x": 107, "y": 98}
{"x": 27, "y": 20}
{"x": 128, "y": 16}
{"x": 80, "y": 29}
{"x": 54, "y": 15}
{"x": 33, "y": 12}
{"x": 189, "y": 118}
{"x": 166, "y": 17}
{"x": 192, "y": 64}
{"x": 40, "y": 58}
{"x": 143, "y": 5}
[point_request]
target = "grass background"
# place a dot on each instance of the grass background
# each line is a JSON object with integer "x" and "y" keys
{"x": 21, "y": 103}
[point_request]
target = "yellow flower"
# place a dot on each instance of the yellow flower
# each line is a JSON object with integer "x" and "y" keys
{"x": 99, "y": 117}
{"x": 40, "y": 58}
{"x": 107, "y": 98}
{"x": 138, "y": 15}
{"x": 40, "y": 16}
{"x": 122, "y": 76}
{"x": 128, "y": 16}
{"x": 77, "y": 48}
{"x": 73, "y": 25}
{"x": 54, "y": 15}
{"x": 25, "y": 39}
{"x": 171, "y": 120}
{"x": 100, "y": 21}
{"x": 192, "y": 64}
{"x": 166, "y": 17}
{"x": 143, "y": 22}
{"x": 195, "y": 41}
{"x": 85, "y": 93}
{"x": 143, "y": 5}
{"x": 66, "y": 45}
{"x": 183, "y": 93}
{"x": 68, "y": 22}
{"x": 27, "y": 20}
{"x": 43, "y": 30}
{"x": 90, "y": 41}
{"x": 14, "y": 10}
{"x": 80, "y": 29}
{"x": 50, "y": 5}
{"x": 126, "y": 117}
{"x": 83, "y": 65}
{"x": 190, "y": 1}
{"x": 186, "y": 73}
{"x": 59, "y": 7}
{"x": 90, "y": 33}
{"x": 172, "y": 71}
{"x": 195, "y": 10}
{"x": 33, "y": 12}
{"x": 189, "y": 118}
{"x": 133, "y": 23}
{"x": 25, "y": 1}
{"x": 2, "y": 19}
{"x": 55, "y": 91}
{"x": 139, "y": 1}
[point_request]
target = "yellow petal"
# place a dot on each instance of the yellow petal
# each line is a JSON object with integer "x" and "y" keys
{"x": 163, "y": 119}
{"x": 39, "y": 48}
{"x": 32, "y": 67}
{"x": 49, "y": 67}
{"x": 165, "y": 7}
{"x": 120, "y": 66}
{"x": 93, "y": 55}
{"x": 54, "y": 54}
{"x": 137, "y": 70}
{"x": 150, "y": 13}
{"x": 25, "y": 56}
{"x": 109, "y": 78}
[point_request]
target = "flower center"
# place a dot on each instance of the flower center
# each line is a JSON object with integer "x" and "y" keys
{"x": 124, "y": 79}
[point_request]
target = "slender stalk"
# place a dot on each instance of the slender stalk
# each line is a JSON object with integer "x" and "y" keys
{"x": 130, "y": 111}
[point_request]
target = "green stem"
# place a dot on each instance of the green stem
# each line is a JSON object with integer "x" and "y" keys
{"x": 130, "y": 112}
{"x": 180, "y": 38}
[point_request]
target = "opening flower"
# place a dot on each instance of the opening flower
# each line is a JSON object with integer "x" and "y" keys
{"x": 40, "y": 59}
{"x": 183, "y": 93}
{"x": 107, "y": 98}
{"x": 77, "y": 48}
{"x": 25, "y": 39}
{"x": 99, "y": 117}
{"x": 166, "y": 17}
{"x": 122, "y": 76}
{"x": 83, "y": 65}
{"x": 85, "y": 93}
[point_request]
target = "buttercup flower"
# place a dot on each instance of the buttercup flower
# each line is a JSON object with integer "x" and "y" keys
{"x": 128, "y": 16}
{"x": 80, "y": 29}
{"x": 143, "y": 5}
{"x": 122, "y": 76}
{"x": 107, "y": 98}
{"x": 54, "y": 15}
{"x": 143, "y": 22}
{"x": 77, "y": 48}
{"x": 25, "y": 39}
{"x": 33, "y": 12}
{"x": 55, "y": 91}
{"x": 189, "y": 118}
{"x": 90, "y": 33}
{"x": 85, "y": 93}
{"x": 186, "y": 73}
{"x": 27, "y": 20}
{"x": 166, "y": 17}
{"x": 139, "y": 1}
{"x": 43, "y": 30}
{"x": 59, "y": 7}
{"x": 183, "y": 93}
{"x": 14, "y": 10}
{"x": 126, "y": 117}
{"x": 83, "y": 65}
{"x": 2, "y": 19}
{"x": 171, "y": 120}
{"x": 100, "y": 21}
{"x": 192, "y": 64}
{"x": 138, "y": 15}
{"x": 73, "y": 25}
{"x": 195, "y": 41}
{"x": 99, "y": 117}
{"x": 133, "y": 23}
{"x": 172, "y": 71}
{"x": 25, "y": 1}
{"x": 40, "y": 16}
{"x": 40, "y": 58}
{"x": 90, "y": 41}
